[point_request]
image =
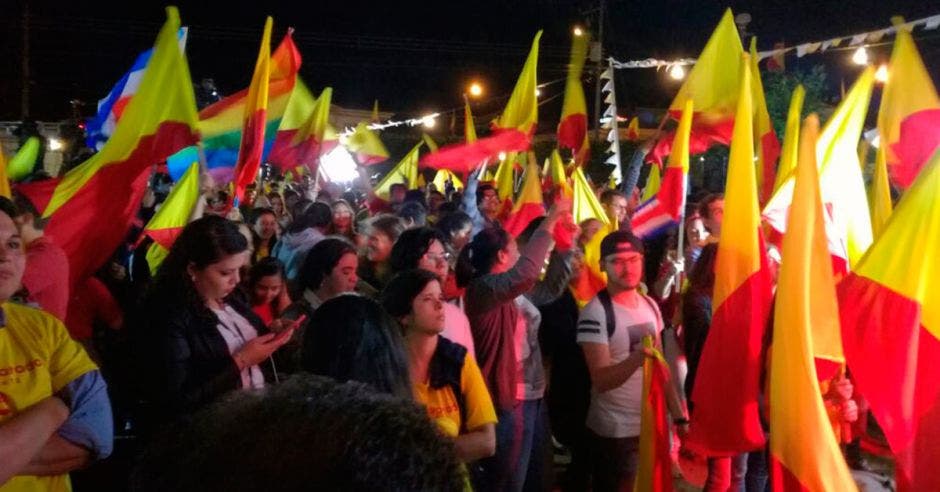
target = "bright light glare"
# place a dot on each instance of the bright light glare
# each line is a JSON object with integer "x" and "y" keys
{"x": 55, "y": 144}
{"x": 578, "y": 31}
{"x": 860, "y": 57}
{"x": 881, "y": 75}
{"x": 428, "y": 121}
{"x": 677, "y": 72}
{"x": 502, "y": 156}
{"x": 538, "y": 92}
{"x": 476, "y": 90}
{"x": 338, "y": 166}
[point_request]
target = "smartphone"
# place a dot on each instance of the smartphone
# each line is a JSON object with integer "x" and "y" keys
{"x": 294, "y": 312}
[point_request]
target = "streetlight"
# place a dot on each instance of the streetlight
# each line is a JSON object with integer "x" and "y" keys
{"x": 860, "y": 57}
{"x": 578, "y": 31}
{"x": 428, "y": 122}
{"x": 475, "y": 89}
{"x": 677, "y": 72}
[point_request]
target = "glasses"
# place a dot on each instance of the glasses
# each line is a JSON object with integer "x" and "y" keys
{"x": 438, "y": 257}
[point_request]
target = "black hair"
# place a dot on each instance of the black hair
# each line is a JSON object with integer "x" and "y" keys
{"x": 307, "y": 433}
{"x": 203, "y": 242}
{"x": 266, "y": 267}
{"x": 451, "y": 223}
{"x": 24, "y": 205}
{"x": 706, "y": 201}
{"x": 322, "y": 259}
{"x": 416, "y": 196}
{"x": 350, "y": 338}
{"x": 401, "y": 290}
{"x": 387, "y": 224}
{"x": 479, "y": 256}
{"x": 411, "y": 246}
{"x": 448, "y": 208}
{"x": 8, "y": 207}
{"x": 318, "y": 214}
{"x": 415, "y": 212}
{"x": 481, "y": 189}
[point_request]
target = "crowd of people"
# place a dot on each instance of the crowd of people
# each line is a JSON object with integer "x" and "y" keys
{"x": 311, "y": 338}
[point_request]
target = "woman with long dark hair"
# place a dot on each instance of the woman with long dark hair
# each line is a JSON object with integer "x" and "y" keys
{"x": 495, "y": 272}
{"x": 423, "y": 248}
{"x": 267, "y": 289}
{"x": 444, "y": 376}
{"x": 199, "y": 340}
{"x": 350, "y": 338}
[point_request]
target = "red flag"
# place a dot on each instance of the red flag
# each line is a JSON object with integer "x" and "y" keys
{"x": 256, "y": 110}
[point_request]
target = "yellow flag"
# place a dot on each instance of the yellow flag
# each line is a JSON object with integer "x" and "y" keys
{"x": 879, "y": 195}
{"x": 584, "y": 203}
{"x": 801, "y": 435}
{"x": 366, "y": 145}
{"x": 522, "y": 110}
{"x": 4, "y": 179}
{"x": 505, "y": 177}
{"x": 653, "y": 183}
{"x": 765, "y": 140}
{"x": 789, "y": 152}
{"x": 444, "y": 175}
{"x": 406, "y": 172}
{"x": 469, "y": 130}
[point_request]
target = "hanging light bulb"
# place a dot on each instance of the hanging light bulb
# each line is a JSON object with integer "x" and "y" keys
{"x": 677, "y": 72}
{"x": 881, "y": 75}
{"x": 860, "y": 57}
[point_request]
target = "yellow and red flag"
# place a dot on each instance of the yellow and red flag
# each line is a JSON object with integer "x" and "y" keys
{"x": 304, "y": 144}
{"x": 366, "y": 145}
{"x": 805, "y": 455}
{"x": 654, "y": 465}
{"x": 654, "y": 180}
{"x": 91, "y": 208}
{"x": 221, "y": 124}
{"x": 584, "y": 206}
{"x": 879, "y": 196}
{"x": 511, "y": 132}
{"x": 405, "y": 172}
{"x": 891, "y": 330}
{"x": 167, "y": 224}
{"x": 555, "y": 176}
{"x": 841, "y": 181}
{"x": 573, "y": 127}
{"x": 256, "y": 108}
{"x": 633, "y": 129}
{"x": 725, "y": 420}
{"x": 442, "y": 177}
{"x": 768, "y": 147}
{"x": 713, "y": 85}
{"x": 909, "y": 115}
{"x": 788, "y": 155}
{"x": 528, "y": 204}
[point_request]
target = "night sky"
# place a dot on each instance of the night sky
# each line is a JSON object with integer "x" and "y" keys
{"x": 414, "y": 57}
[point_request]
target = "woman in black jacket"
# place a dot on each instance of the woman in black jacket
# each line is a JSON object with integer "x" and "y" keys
{"x": 199, "y": 340}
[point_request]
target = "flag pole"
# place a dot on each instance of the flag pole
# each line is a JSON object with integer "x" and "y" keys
{"x": 681, "y": 238}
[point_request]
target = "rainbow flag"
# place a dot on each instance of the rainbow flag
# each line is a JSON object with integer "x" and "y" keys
{"x": 92, "y": 206}
{"x": 221, "y": 123}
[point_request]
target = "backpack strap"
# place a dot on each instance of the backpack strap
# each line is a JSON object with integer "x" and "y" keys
{"x": 445, "y": 370}
{"x": 608, "y": 305}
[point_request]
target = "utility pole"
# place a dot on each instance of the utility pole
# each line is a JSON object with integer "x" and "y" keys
{"x": 24, "y": 102}
{"x": 597, "y": 56}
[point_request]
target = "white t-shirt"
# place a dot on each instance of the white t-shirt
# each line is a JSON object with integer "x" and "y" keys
{"x": 457, "y": 327}
{"x": 616, "y": 413}
{"x": 237, "y": 331}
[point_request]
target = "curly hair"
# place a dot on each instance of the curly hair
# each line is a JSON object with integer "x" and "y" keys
{"x": 203, "y": 242}
{"x": 308, "y": 433}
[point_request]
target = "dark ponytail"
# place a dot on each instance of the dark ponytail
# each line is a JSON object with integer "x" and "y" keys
{"x": 477, "y": 258}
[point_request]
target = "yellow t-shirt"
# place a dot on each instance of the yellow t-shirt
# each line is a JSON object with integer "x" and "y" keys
{"x": 442, "y": 405}
{"x": 37, "y": 359}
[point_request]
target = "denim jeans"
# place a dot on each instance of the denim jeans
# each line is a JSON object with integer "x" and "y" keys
{"x": 726, "y": 474}
{"x": 534, "y": 471}
{"x": 497, "y": 473}
{"x": 614, "y": 462}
